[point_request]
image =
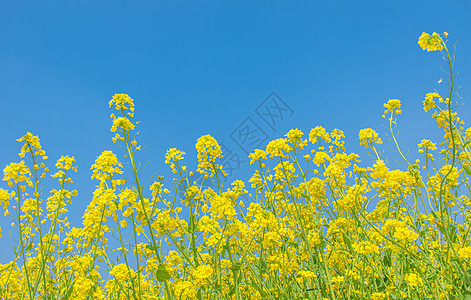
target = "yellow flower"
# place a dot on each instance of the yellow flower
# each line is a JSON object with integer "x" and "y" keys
{"x": 222, "y": 206}
{"x": 120, "y": 272}
{"x": 467, "y": 134}
{"x": 202, "y": 274}
{"x": 257, "y": 155}
{"x": 156, "y": 188}
{"x": 65, "y": 163}
{"x": 122, "y": 101}
{"x": 173, "y": 154}
{"x": 431, "y": 42}
{"x": 106, "y": 165}
{"x": 284, "y": 171}
{"x": 238, "y": 188}
{"x": 278, "y": 147}
{"x": 82, "y": 287}
{"x": 368, "y": 136}
{"x": 208, "y": 150}
{"x": 413, "y": 279}
{"x": 336, "y": 137}
{"x": 32, "y": 141}
{"x": 295, "y": 137}
{"x": 307, "y": 274}
{"x": 174, "y": 258}
{"x": 337, "y": 279}
{"x": 5, "y": 197}
{"x": 318, "y": 132}
{"x": 452, "y": 178}
{"x": 17, "y": 172}
{"x": 315, "y": 188}
{"x": 185, "y": 290}
{"x": 427, "y": 144}
{"x": 365, "y": 247}
{"x": 380, "y": 170}
{"x": 378, "y": 296}
{"x": 465, "y": 252}
{"x": 256, "y": 180}
{"x": 320, "y": 157}
{"x": 392, "y": 104}
{"x": 122, "y": 123}
{"x": 139, "y": 230}
{"x": 428, "y": 102}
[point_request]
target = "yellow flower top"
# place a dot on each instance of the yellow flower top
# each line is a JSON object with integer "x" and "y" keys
{"x": 173, "y": 154}
{"x": 208, "y": 150}
{"x": 429, "y": 103}
{"x": 31, "y": 142}
{"x": 257, "y": 155}
{"x": 17, "y": 172}
{"x": 368, "y": 136}
{"x": 427, "y": 144}
{"x": 106, "y": 165}
{"x": 122, "y": 101}
{"x": 431, "y": 42}
{"x": 295, "y": 137}
{"x": 278, "y": 147}
{"x": 318, "y": 132}
{"x": 65, "y": 163}
{"x": 392, "y": 104}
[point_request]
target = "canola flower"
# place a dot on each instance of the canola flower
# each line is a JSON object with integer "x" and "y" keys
{"x": 317, "y": 224}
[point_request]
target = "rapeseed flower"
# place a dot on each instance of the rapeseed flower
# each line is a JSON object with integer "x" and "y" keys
{"x": 431, "y": 42}
{"x": 278, "y": 148}
{"x": 429, "y": 103}
{"x": 122, "y": 102}
{"x": 318, "y": 133}
{"x": 208, "y": 151}
{"x": 413, "y": 279}
{"x": 368, "y": 136}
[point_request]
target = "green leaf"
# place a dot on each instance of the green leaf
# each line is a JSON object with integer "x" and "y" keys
{"x": 162, "y": 274}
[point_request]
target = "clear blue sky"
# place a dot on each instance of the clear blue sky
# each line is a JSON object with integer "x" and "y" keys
{"x": 204, "y": 67}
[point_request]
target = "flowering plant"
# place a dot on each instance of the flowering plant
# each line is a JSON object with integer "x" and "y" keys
{"x": 317, "y": 224}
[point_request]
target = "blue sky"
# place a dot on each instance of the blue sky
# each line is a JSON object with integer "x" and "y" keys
{"x": 204, "y": 67}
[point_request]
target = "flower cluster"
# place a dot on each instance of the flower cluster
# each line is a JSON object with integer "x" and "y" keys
{"x": 208, "y": 151}
{"x": 431, "y": 42}
{"x": 368, "y": 136}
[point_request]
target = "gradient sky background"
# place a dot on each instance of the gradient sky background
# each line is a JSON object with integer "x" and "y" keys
{"x": 203, "y": 67}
